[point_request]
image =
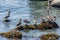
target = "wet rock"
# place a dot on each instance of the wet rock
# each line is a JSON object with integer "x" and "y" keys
{"x": 26, "y": 30}
{"x": 48, "y": 25}
{"x": 32, "y": 27}
{"x": 56, "y": 3}
{"x": 41, "y": 26}
{"x": 25, "y": 27}
{"x": 50, "y": 37}
{"x": 6, "y": 20}
{"x": 12, "y": 34}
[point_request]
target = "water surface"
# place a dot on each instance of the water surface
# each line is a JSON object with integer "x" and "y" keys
{"x": 26, "y": 9}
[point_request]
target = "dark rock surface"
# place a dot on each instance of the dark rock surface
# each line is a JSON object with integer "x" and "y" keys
{"x": 14, "y": 34}
{"x": 50, "y": 37}
{"x": 41, "y": 26}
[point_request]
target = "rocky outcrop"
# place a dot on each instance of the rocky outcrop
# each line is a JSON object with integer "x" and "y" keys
{"x": 56, "y": 3}
{"x": 50, "y": 37}
{"x": 12, "y": 34}
{"x": 43, "y": 25}
{"x": 48, "y": 25}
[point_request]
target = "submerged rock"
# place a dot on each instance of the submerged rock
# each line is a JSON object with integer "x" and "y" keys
{"x": 50, "y": 37}
{"x": 12, "y": 34}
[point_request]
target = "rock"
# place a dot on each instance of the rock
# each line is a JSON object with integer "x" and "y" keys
{"x": 32, "y": 27}
{"x": 41, "y": 26}
{"x": 48, "y": 25}
{"x": 6, "y": 20}
{"x": 56, "y": 3}
{"x": 12, "y": 34}
{"x": 25, "y": 27}
{"x": 50, "y": 37}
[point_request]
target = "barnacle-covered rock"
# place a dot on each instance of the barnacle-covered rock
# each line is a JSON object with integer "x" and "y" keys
{"x": 50, "y": 37}
{"x": 32, "y": 27}
{"x": 41, "y": 26}
{"x": 48, "y": 25}
{"x": 12, "y": 34}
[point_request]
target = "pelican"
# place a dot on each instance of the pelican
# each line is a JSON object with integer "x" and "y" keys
{"x": 43, "y": 19}
{"x": 48, "y": 18}
{"x": 35, "y": 22}
{"x": 54, "y": 18}
{"x": 8, "y": 15}
{"x": 26, "y": 21}
{"x": 19, "y": 23}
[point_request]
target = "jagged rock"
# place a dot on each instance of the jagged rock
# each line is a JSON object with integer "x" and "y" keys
{"x": 50, "y": 37}
{"x": 26, "y": 27}
{"x": 56, "y": 3}
{"x": 43, "y": 25}
{"x": 48, "y": 25}
{"x": 12, "y": 34}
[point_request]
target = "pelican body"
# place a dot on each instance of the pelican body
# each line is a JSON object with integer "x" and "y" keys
{"x": 19, "y": 23}
{"x": 8, "y": 15}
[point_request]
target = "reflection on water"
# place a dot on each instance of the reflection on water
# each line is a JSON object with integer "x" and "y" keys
{"x": 29, "y": 10}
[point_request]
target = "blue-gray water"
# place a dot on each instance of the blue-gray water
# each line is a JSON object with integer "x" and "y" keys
{"x": 25, "y": 9}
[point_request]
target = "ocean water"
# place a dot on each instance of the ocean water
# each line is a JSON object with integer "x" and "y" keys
{"x": 26, "y": 9}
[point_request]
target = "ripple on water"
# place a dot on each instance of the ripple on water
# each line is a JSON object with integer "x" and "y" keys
{"x": 21, "y": 9}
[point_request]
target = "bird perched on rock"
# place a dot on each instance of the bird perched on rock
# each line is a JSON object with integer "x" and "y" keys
{"x": 19, "y": 23}
{"x": 43, "y": 19}
{"x": 26, "y": 21}
{"x": 48, "y": 18}
{"x": 8, "y": 15}
{"x": 35, "y": 22}
{"x": 54, "y": 18}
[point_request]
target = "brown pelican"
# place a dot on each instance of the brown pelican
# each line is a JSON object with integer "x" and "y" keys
{"x": 43, "y": 19}
{"x": 8, "y": 15}
{"x": 35, "y": 22}
{"x": 27, "y": 22}
{"x": 19, "y": 23}
{"x": 54, "y": 18}
{"x": 48, "y": 18}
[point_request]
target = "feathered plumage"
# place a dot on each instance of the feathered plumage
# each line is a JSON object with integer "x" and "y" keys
{"x": 8, "y": 15}
{"x": 19, "y": 23}
{"x": 26, "y": 21}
